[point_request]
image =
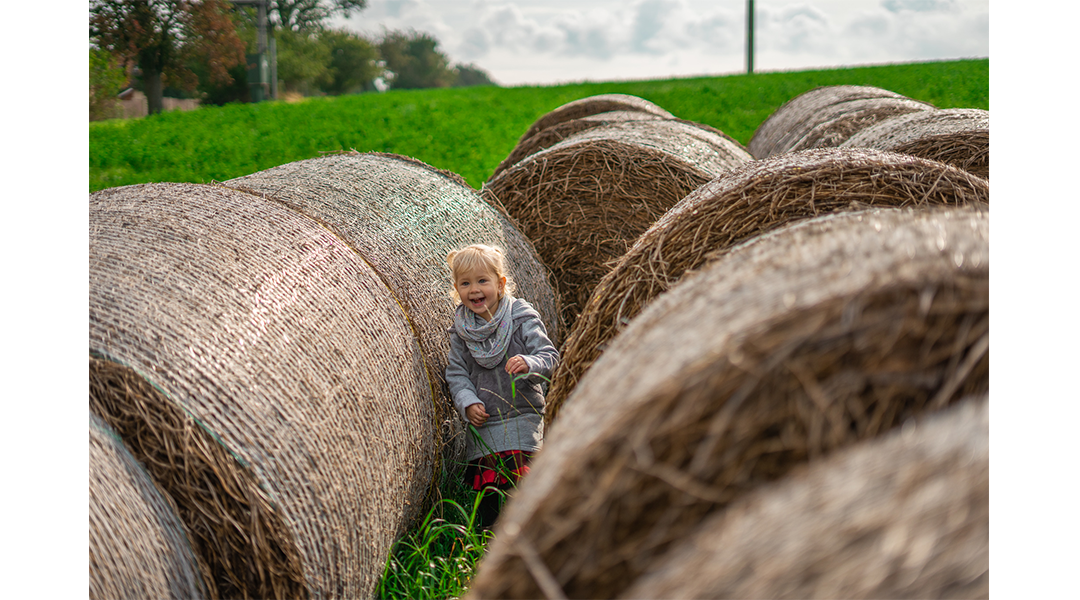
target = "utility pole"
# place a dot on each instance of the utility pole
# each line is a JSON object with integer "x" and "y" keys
{"x": 749, "y": 37}
{"x": 259, "y": 67}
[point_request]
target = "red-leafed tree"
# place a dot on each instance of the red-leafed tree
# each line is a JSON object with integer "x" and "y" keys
{"x": 161, "y": 37}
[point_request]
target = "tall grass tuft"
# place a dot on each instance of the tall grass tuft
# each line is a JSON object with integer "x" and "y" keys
{"x": 437, "y": 559}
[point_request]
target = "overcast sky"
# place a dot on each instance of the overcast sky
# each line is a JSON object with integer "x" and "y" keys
{"x": 552, "y": 41}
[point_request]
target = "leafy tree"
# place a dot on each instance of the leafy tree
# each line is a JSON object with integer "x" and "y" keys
{"x": 300, "y": 15}
{"x": 162, "y": 37}
{"x": 353, "y": 61}
{"x": 107, "y": 77}
{"x": 303, "y": 61}
{"x": 470, "y": 75}
{"x": 414, "y": 61}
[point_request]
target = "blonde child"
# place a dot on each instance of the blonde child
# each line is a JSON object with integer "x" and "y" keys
{"x": 495, "y": 338}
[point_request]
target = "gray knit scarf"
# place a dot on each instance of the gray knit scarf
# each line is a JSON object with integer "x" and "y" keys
{"x": 487, "y": 341}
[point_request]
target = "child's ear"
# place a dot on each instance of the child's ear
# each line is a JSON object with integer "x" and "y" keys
{"x": 502, "y": 285}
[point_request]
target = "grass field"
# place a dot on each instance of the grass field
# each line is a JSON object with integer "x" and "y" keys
{"x": 466, "y": 130}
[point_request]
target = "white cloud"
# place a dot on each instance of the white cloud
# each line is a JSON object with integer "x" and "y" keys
{"x": 918, "y": 5}
{"x": 534, "y": 41}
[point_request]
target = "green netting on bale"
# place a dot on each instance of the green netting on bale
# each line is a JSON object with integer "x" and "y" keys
{"x": 138, "y": 546}
{"x": 272, "y": 333}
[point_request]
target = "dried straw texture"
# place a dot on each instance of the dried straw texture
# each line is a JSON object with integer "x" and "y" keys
{"x": 258, "y": 327}
{"x": 138, "y": 547}
{"x": 796, "y": 344}
{"x": 403, "y": 217}
{"x": 904, "y": 516}
{"x": 753, "y": 199}
{"x": 825, "y": 117}
{"x": 584, "y": 200}
{"x": 958, "y": 136}
{"x": 549, "y": 136}
{"x": 594, "y": 105}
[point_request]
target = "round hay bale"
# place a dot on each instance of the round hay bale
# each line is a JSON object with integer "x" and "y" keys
{"x": 267, "y": 378}
{"x": 593, "y": 105}
{"x": 825, "y": 117}
{"x": 750, "y": 200}
{"x": 957, "y": 136}
{"x": 403, "y": 217}
{"x": 138, "y": 547}
{"x": 904, "y": 516}
{"x": 554, "y": 134}
{"x": 584, "y": 200}
{"x": 549, "y": 136}
{"x": 797, "y": 343}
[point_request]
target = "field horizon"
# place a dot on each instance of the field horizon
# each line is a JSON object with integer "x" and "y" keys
{"x": 468, "y": 130}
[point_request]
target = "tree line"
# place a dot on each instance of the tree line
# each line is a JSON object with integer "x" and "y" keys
{"x": 198, "y": 48}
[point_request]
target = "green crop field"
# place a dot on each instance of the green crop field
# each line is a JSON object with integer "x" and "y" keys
{"x": 466, "y": 130}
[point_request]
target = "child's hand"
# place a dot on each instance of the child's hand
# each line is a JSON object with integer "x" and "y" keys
{"x": 476, "y": 414}
{"x": 517, "y": 365}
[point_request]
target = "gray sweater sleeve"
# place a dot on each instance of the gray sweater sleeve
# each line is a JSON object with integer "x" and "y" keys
{"x": 542, "y": 357}
{"x": 457, "y": 377}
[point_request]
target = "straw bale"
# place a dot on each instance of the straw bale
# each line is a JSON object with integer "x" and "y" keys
{"x": 592, "y": 105}
{"x": 825, "y": 117}
{"x": 269, "y": 380}
{"x": 549, "y": 136}
{"x": 584, "y": 200}
{"x": 752, "y": 199}
{"x": 903, "y": 516}
{"x": 554, "y": 134}
{"x": 957, "y": 136}
{"x": 795, "y": 344}
{"x": 403, "y": 217}
{"x": 138, "y": 546}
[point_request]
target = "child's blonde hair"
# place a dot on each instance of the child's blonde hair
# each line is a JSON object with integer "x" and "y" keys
{"x": 488, "y": 258}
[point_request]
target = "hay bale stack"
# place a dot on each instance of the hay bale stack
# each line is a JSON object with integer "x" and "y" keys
{"x": 584, "y": 200}
{"x": 138, "y": 547}
{"x": 269, "y": 380}
{"x": 958, "y": 136}
{"x": 796, "y": 344}
{"x": 403, "y": 217}
{"x": 905, "y": 516}
{"x": 748, "y": 201}
{"x": 825, "y": 117}
{"x": 593, "y": 105}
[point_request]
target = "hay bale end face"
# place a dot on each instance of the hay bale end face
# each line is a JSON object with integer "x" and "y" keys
{"x": 904, "y": 516}
{"x": 584, "y": 200}
{"x": 403, "y": 217}
{"x": 825, "y": 117}
{"x": 746, "y": 202}
{"x": 138, "y": 546}
{"x": 958, "y": 136}
{"x": 282, "y": 390}
{"x": 592, "y": 105}
{"x": 796, "y": 344}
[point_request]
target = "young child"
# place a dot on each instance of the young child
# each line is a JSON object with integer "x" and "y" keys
{"x": 494, "y": 339}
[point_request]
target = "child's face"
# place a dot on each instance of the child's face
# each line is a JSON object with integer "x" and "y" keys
{"x": 480, "y": 291}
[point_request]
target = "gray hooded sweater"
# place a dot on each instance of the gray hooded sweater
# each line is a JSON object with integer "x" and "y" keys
{"x": 516, "y": 416}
